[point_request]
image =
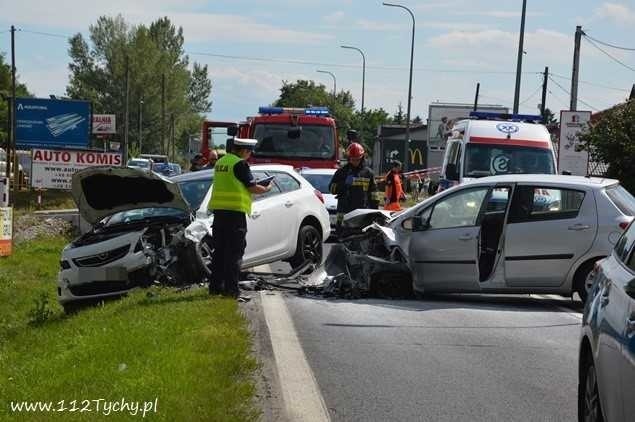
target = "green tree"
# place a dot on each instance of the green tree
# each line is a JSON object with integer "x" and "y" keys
{"x": 368, "y": 123}
{"x": 5, "y": 90}
{"x": 152, "y": 53}
{"x": 399, "y": 118}
{"x": 417, "y": 120}
{"x": 611, "y": 140}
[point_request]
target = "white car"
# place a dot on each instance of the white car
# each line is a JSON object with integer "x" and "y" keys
{"x": 287, "y": 223}
{"x": 320, "y": 179}
{"x": 145, "y": 230}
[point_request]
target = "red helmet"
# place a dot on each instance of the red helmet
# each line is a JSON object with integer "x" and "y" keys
{"x": 355, "y": 150}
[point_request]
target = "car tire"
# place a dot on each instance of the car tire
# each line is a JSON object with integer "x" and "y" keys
{"x": 309, "y": 247}
{"x": 204, "y": 252}
{"x": 582, "y": 282}
{"x": 589, "y": 406}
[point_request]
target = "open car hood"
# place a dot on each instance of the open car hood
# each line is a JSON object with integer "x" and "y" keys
{"x": 361, "y": 218}
{"x": 102, "y": 191}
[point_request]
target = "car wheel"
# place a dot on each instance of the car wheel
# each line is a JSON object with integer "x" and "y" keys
{"x": 204, "y": 256}
{"x": 309, "y": 247}
{"x": 589, "y": 398}
{"x": 584, "y": 280}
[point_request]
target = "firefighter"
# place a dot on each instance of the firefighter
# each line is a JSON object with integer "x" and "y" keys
{"x": 353, "y": 184}
{"x": 394, "y": 190}
{"x": 230, "y": 203}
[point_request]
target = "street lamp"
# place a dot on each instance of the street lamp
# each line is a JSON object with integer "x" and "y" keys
{"x": 140, "y": 125}
{"x": 334, "y": 81}
{"x": 412, "y": 53}
{"x": 363, "y": 70}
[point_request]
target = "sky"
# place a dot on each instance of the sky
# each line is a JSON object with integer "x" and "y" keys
{"x": 251, "y": 46}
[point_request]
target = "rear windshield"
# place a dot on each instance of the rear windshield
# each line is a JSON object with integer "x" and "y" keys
{"x": 622, "y": 199}
{"x": 319, "y": 181}
{"x": 314, "y": 141}
{"x": 489, "y": 160}
{"x": 194, "y": 191}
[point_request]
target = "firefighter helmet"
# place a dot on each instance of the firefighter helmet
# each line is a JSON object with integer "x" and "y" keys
{"x": 355, "y": 150}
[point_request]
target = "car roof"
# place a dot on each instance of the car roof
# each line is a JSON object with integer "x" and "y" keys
{"x": 318, "y": 171}
{"x": 594, "y": 182}
{"x": 271, "y": 167}
{"x": 194, "y": 175}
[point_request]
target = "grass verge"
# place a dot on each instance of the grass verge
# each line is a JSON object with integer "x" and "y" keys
{"x": 187, "y": 351}
{"x": 26, "y": 200}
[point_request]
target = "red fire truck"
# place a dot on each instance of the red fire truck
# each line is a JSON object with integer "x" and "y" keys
{"x": 300, "y": 137}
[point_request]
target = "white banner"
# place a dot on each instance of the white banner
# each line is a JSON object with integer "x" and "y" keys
{"x": 442, "y": 116}
{"x": 104, "y": 124}
{"x": 54, "y": 169}
{"x": 570, "y": 157}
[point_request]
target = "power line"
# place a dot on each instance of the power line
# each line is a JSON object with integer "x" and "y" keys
{"x": 48, "y": 34}
{"x": 532, "y": 95}
{"x": 565, "y": 103}
{"x": 591, "y": 83}
{"x": 568, "y": 93}
{"x": 608, "y": 44}
{"x": 609, "y": 55}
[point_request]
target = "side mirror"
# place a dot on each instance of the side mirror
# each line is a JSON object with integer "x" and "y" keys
{"x": 451, "y": 172}
{"x": 294, "y": 133}
{"x": 232, "y": 130}
{"x": 419, "y": 224}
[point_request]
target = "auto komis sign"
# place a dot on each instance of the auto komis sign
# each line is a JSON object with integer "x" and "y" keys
{"x": 54, "y": 169}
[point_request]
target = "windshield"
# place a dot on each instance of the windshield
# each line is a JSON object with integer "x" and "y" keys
{"x": 139, "y": 214}
{"x": 194, "y": 191}
{"x": 489, "y": 160}
{"x": 139, "y": 163}
{"x": 622, "y": 199}
{"x": 314, "y": 141}
{"x": 319, "y": 181}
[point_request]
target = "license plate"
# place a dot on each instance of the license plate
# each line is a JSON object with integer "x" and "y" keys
{"x": 86, "y": 275}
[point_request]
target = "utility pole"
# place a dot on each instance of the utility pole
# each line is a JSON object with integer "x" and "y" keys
{"x": 126, "y": 119}
{"x": 13, "y": 124}
{"x": 163, "y": 113}
{"x": 521, "y": 51}
{"x": 576, "y": 69}
{"x": 478, "y": 88}
{"x": 543, "y": 102}
{"x": 172, "y": 135}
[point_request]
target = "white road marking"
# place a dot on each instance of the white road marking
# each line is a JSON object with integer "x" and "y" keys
{"x": 302, "y": 398}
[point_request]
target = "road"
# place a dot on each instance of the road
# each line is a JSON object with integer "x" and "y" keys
{"x": 446, "y": 358}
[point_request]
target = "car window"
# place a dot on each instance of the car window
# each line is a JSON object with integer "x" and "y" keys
{"x": 285, "y": 181}
{"x": 319, "y": 181}
{"x": 535, "y": 203}
{"x": 275, "y": 190}
{"x": 458, "y": 210}
{"x": 623, "y": 200}
{"x": 625, "y": 245}
{"x": 498, "y": 200}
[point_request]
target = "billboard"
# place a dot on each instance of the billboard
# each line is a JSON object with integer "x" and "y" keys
{"x": 392, "y": 149}
{"x": 54, "y": 169}
{"x": 570, "y": 156}
{"x": 52, "y": 123}
{"x": 442, "y": 116}
{"x": 6, "y": 234}
{"x": 104, "y": 124}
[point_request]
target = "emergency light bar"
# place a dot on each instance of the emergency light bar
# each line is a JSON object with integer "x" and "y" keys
{"x": 311, "y": 111}
{"x": 488, "y": 115}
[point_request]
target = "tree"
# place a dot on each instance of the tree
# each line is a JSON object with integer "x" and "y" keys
{"x": 399, "y": 117}
{"x": 5, "y": 89}
{"x": 611, "y": 140}
{"x": 368, "y": 123}
{"x": 417, "y": 120}
{"x": 550, "y": 117}
{"x": 154, "y": 52}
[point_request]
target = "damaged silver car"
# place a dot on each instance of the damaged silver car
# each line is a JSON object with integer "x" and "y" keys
{"x": 501, "y": 234}
{"x": 138, "y": 236}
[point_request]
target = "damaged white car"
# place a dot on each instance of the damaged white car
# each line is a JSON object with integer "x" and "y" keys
{"x": 501, "y": 234}
{"x": 138, "y": 236}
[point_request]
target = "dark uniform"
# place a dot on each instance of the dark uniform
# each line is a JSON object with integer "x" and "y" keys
{"x": 355, "y": 188}
{"x": 231, "y": 202}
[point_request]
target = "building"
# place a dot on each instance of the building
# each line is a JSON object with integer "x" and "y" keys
{"x": 389, "y": 146}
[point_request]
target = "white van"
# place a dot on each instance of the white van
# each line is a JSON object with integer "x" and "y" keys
{"x": 479, "y": 148}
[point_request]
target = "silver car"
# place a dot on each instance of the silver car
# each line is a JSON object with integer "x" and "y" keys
{"x": 512, "y": 234}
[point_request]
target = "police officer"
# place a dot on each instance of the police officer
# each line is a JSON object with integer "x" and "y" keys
{"x": 230, "y": 203}
{"x": 354, "y": 183}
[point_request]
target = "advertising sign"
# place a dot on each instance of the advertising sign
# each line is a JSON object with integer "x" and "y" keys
{"x": 54, "y": 169}
{"x": 442, "y": 116}
{"x": 6, "y": 226}
{"x": 104, "y": 124}
{"x": 570, "y": 156}
{"x": 52, "y": 123}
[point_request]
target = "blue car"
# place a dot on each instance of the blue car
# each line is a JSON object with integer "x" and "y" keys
{"x": 606, "y": 387}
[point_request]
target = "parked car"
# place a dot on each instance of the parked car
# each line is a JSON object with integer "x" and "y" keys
{"x": 146, "y": 229}
{"x": 606, "y": 376}
{"x": 287, "y": 223}
{"x": 320, "y": 179}
{"x": 142, "y": 163}
{"x": 512, "y": 234}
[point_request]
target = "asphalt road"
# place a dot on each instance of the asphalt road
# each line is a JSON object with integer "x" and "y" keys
{"x": 447, "y": 358}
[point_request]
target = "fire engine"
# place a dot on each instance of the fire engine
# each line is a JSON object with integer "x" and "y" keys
{"x": 300, "y": 137}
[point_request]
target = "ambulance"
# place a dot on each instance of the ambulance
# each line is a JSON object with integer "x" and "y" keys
{"x": 490, "y": 144}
